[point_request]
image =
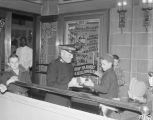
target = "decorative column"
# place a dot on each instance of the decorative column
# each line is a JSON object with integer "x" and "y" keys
{"x": 48, "y": 50}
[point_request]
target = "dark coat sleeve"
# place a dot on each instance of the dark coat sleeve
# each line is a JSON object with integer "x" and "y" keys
{"x": 26, "y": 77}
{"x": 5, "y": 76}
{"x": 51, "y": 74}
{"x": 104, "y": 86}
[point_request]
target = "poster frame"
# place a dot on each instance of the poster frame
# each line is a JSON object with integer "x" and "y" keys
{"x": 102, "y": 15}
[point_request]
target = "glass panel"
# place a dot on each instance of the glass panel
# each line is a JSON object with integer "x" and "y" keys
{"x": 85, "y": 35}
{"x": 2, "y": 37}
{"x": 22, "y": 27}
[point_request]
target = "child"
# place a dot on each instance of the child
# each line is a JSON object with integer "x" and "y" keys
{"x": 108, "y": 87}
{"x": 123, "y": 87}
{"x": 15, "y": 73}
{"x": 118, "y": 70}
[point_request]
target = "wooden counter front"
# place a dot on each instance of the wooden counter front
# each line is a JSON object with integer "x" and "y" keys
{"x": 17, "y": 107}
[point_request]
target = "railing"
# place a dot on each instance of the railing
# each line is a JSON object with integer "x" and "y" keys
{"x": 41, "y": 72}
{"x": 85, "y": 96}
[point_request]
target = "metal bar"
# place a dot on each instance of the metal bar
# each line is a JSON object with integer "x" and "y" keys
{"x": 41, "y": 72}
{"x": 42, "y": 64}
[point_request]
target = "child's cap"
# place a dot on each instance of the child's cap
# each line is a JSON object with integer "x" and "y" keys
{"x": 108, "y": 57}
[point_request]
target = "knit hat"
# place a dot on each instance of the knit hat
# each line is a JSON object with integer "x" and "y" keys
{"x": 108, "y": 57}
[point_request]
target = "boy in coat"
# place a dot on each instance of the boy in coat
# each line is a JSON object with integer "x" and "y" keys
{"x": 15, "y": 73}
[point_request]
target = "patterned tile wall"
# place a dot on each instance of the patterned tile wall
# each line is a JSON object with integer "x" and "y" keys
{"x": 48, "y": 47}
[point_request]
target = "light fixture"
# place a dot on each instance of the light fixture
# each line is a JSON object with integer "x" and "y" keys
{"x": 121, "y": 4}
{"x": 147, "y": 6}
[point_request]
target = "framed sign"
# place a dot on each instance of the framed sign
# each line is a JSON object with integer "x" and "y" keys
{"x": 86, "y": 34}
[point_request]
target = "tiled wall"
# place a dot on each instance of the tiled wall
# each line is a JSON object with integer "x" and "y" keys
{"x": 48, "y": 50}
{"x": 48, "y": 47}
{"x": 134, "y": 46}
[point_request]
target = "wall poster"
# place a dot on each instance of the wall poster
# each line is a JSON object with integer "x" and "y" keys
{"x": 84, "y": 33}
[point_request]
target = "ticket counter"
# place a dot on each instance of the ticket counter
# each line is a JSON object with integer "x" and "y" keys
{"x": 19, "y": 107}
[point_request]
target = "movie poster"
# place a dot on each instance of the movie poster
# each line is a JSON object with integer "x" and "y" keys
{"x": 85, "y": 34}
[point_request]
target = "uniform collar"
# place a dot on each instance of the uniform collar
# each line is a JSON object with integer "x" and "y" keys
{"x": 110, "y": 69}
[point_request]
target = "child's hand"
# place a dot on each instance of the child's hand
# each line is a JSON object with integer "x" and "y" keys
{"x": 3, "y": 88}
{"x": 12, "y": 79}
{"x": 81, "y": 80}
{"x": 88, "y": 83}
{"x": 98, "y": 73}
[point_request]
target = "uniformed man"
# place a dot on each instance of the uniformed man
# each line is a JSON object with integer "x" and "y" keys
{"x": 59, "y": 73}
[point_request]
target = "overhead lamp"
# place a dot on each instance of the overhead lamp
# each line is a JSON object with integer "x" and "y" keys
{"x": 121, "y": 5}
{"x": 147, "y": 6}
